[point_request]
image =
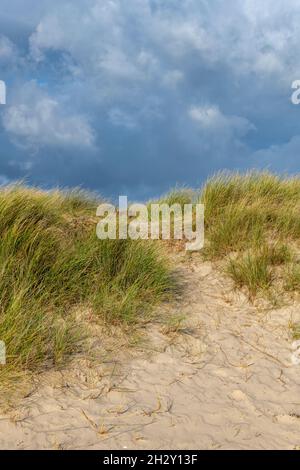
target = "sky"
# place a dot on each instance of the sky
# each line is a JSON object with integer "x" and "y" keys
{"x": 134, "y": 97}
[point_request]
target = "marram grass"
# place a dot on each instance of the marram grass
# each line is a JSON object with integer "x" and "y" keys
{"x": 51, "y": 263}
{"x": 256, "y": 217}
{"x": 252, "y": 223}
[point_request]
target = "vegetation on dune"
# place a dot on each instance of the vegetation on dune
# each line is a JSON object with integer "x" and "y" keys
{"x": 178, "y": 195}
{"x": 52, "y": 263}
{"x": 252, "y": 220}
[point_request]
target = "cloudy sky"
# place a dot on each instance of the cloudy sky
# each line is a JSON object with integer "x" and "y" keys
{"x": 136, "y": 96}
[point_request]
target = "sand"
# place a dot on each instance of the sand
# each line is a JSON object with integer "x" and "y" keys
{"x": 223, "y": 379}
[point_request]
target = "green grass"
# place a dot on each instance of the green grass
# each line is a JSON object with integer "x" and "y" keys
{"x": 254, "y": 269}
{"x": 178, "y": 196}
{"x": 251, "y": 222}
{"x": 52, "y": 263}
{"x": 256, "y": 216}
{"x": 242, "y": 210}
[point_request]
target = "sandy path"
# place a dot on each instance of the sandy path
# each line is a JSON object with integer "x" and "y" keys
{"x": 224, "y": 381}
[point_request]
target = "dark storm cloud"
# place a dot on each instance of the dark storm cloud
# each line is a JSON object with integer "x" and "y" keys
{"x": 134, "y": 97}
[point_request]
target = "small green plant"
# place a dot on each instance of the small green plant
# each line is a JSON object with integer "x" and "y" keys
{"x": 251, "y": 271}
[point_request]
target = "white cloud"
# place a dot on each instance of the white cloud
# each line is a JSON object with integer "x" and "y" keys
{"x": 206, "y": 116}
{"x": 8, "y": 51}
{"x": 210, "y": 118}
{"x": 113, "y": 41}
{"x": 120, "y": 118}
{"x": 35, "y": 120}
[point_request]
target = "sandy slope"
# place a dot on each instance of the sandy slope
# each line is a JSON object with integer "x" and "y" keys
{"x": 224, "y": 380}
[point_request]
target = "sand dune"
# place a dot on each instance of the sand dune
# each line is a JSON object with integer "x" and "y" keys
{"x": 224, "y": 380}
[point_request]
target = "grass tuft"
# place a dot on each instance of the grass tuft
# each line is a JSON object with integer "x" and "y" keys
{"x": 254, "y": 269}
{"x": 255, "y": 216}
{"x": 51, "y": 263}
